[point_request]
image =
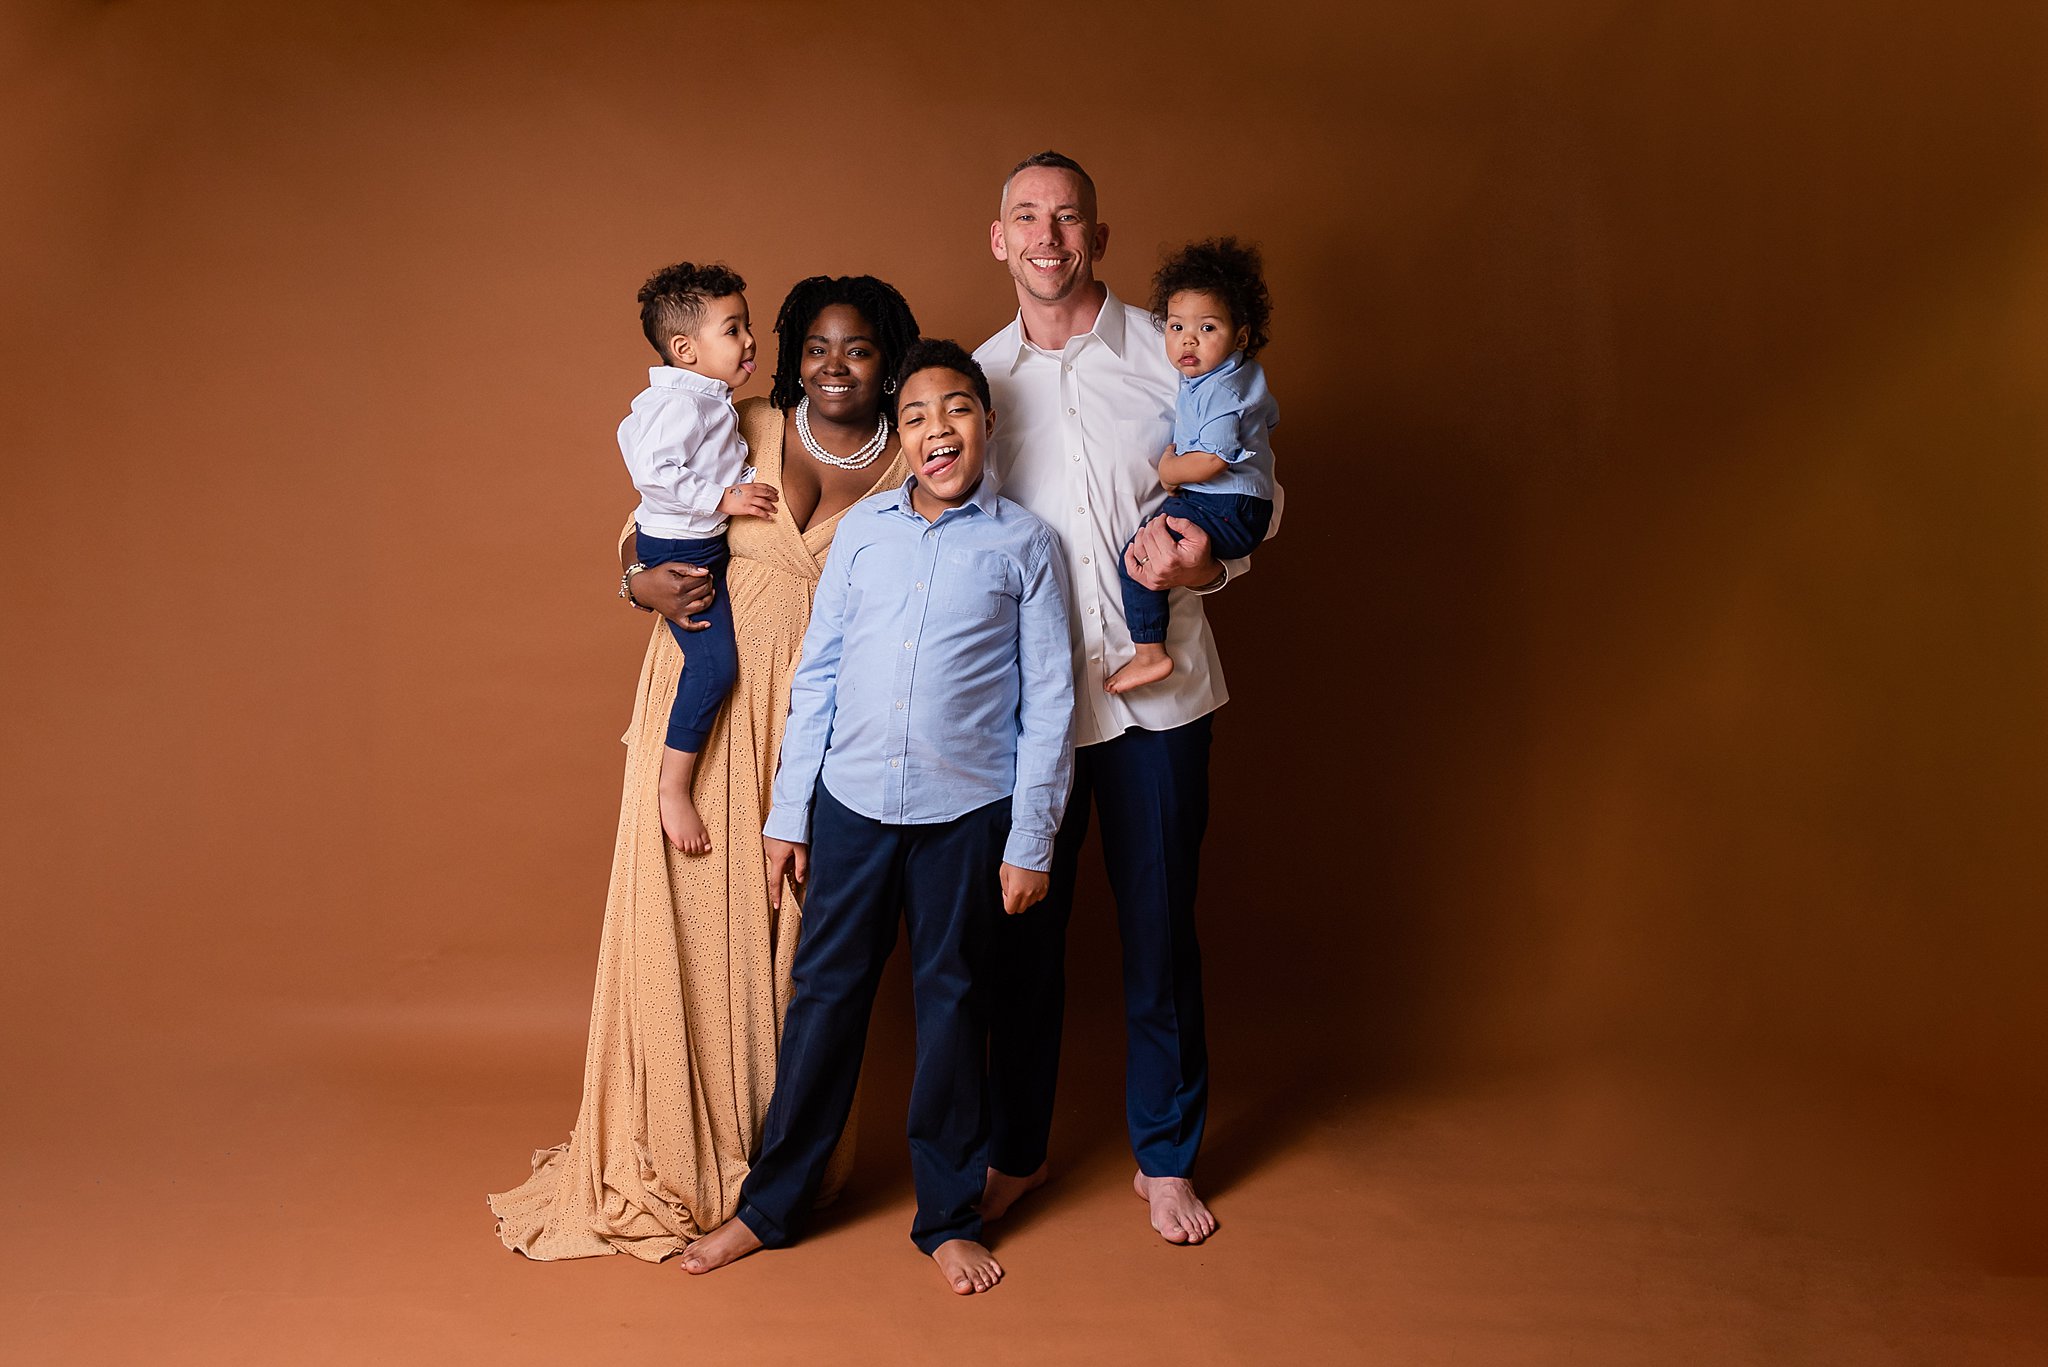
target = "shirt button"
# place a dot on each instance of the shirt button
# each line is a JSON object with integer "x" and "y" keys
{"x": 1070, "y": 412}
{"x": 1084, "y": 559}
{"x": 895, "y": 764}
{"x": 920, "y": 586}
{"x": 1080, "y": 507}
{"x": 1077, "y": 455}
{"x": 906, "y": 645}
{"x": 1091, "y": 612}
{"x": 899, "y": 707}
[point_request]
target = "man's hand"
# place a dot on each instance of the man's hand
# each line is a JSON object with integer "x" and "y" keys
{"x": 1022, "y": 888}
{"x": 750, "y": 500}
{"x": 675, "y": 590}
{"x": 785, "y": 860}
{"x": 1158, "y": 561}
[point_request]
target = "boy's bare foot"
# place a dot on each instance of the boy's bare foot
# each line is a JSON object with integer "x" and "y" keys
{"x": 967, "y": 1267}
{"x": 1001, "y": 1191}
{"x": 1151, "y": 665}
{"x": 679, "y": 819}
{"x": 728, "y": 1243}
{"x": 1177, "y": 1213}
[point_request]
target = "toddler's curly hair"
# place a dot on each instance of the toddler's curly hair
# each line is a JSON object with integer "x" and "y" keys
{"x": 1224, "y": 267}
{"x": 673, "y": 299}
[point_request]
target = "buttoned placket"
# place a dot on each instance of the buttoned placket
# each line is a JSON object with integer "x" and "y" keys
{"x": 897, "y": 783}
{"x": 1080, "y": 530}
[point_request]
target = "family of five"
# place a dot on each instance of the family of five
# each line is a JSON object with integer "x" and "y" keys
{"x": 921, "y": 626}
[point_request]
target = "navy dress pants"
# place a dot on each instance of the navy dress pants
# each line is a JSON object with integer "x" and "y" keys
{"x": 942, "y": 880}
{"x": 1152, "y": 790}
{"x": 711, "y": 660}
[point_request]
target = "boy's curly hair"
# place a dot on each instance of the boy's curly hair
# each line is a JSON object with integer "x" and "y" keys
{"x": 672, "y": 301}
{"x": 888, "y": 315}
{"x": 1228, "y": 269}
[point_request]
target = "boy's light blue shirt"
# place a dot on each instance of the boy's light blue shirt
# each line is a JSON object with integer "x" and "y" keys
{"x": 1230, "y": 413}
{"x": 937, "y": 674}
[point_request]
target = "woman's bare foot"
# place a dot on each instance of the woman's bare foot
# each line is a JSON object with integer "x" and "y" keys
{"x": 1000, "y": 1191}
{"x": 1177, "y": 1213}
{"x": 967, "y": 1267}
{"x": 728, "y": 1243}
{"x": 679, "y": 819}
{"x": 1150, "y": 666}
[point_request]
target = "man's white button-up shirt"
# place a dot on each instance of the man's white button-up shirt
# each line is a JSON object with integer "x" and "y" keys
{"x": 1078, "y": 437}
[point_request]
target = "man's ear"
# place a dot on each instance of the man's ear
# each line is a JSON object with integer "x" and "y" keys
{"x": 1101, "y": 241}
{"x": 681, "y": 350}
{"x": 995, "y": 241}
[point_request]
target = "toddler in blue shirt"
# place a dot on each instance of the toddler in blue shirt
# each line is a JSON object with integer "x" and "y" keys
{"x": 683, "y": 448}
{"x": 1211, "y": 299}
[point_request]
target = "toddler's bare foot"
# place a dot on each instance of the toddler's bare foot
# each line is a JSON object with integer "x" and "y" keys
{"x": 1151, "y": 665}
{"x": 1177, "y": 1213}
{"x": 1001, "y": 1191}
{"x": 681, "y": 824}
{"x": 728, "y": 1243}
{"x": 967, "y": 1267}
{"x": 679, "y": 819}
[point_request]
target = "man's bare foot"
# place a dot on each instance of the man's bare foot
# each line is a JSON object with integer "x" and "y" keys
{"x": 679, "y": 819}
{"x": 1177, "y": 1213}
{"x": 967, "y": 1267}
{"x": 1001, "y": 1191}
{"x": 728, "y": 1243}
{"x": 1151, "y": 665}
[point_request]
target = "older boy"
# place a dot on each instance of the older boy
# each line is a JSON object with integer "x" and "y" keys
{"x": 923, "y": 774}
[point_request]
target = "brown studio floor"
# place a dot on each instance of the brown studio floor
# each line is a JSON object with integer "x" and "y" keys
{"x": 318, "y": 1198}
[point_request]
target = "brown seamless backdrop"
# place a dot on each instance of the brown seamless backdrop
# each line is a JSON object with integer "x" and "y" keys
{"x": 1650, "y": 673}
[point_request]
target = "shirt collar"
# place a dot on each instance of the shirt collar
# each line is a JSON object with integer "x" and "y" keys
{"x": 675, "y": 377}
{"x": 1230, "y": 363}
{"x": 1108, "y": 328}
{"x": 984, "y": 499}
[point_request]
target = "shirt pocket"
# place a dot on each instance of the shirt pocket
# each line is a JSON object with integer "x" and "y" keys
{"x": 975, "y": 584}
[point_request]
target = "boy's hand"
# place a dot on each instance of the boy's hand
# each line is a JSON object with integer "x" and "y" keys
{"x": 785, "y": 860}
{"x": 750, "y": 500}
{"x": 1022, "y": 888}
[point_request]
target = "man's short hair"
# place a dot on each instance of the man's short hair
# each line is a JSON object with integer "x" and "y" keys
{"x": 673, "y": 299}
{"x": 1059, "y": 161}
{"x": 937, "y": 353}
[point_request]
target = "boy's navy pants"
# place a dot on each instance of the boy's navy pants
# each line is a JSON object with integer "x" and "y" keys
{"x": 943, "y": 881}
{"x": 711, "y": 658}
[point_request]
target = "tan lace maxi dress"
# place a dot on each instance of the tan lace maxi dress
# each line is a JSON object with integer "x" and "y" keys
{"x": 693, "y": 969}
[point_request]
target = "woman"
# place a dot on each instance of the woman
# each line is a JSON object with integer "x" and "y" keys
{"x": 693, "y": 969}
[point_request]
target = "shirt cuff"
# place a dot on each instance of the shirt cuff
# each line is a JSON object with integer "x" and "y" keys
{"x": 1222, "y": 578}
{"x": 1033, "y": 852}
{"x": 788, "y": 823}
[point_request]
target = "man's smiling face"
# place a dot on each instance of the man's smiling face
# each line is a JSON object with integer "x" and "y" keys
{"x": 1047, "y": 234}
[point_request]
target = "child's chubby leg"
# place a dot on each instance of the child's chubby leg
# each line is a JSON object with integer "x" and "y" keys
{"x": 679, "y": 819}
{"x": 1145, "y": 616}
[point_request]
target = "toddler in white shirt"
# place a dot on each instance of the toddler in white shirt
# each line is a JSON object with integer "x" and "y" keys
{"x": 683, "y": 448}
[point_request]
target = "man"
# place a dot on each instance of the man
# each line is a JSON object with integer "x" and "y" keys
{"x": 1087, "y": 397}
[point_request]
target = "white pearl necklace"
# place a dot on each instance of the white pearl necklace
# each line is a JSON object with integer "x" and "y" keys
{"x": 859, "y": 460}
